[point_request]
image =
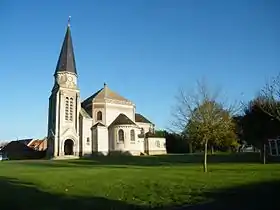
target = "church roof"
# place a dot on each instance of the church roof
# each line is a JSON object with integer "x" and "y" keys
{"x": 98, "y": 124}
{"x": 84, "y": 113}
{"x": 25, "y": 141}
{"x": 140, "y": 118}
{"x": 122, "y": 119}
{"x": 104, "y": 93}
{"x": 66, "y": 61}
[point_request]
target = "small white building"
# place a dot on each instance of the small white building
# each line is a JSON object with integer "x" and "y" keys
{"x": 103, "y": 123}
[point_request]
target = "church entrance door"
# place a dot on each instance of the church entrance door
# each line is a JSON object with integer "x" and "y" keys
{"x": 68, "y": 147}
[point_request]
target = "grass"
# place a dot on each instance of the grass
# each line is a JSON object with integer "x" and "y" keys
{"x": 157, "y": 182}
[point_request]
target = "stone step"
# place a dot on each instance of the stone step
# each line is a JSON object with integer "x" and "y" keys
{"x": 66, "y": 157}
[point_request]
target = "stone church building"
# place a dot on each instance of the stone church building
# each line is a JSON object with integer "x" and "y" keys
{"x": 103, "y": 123}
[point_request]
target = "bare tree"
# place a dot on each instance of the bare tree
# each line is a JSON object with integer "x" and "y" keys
{"x": 269, "y": 98}
{"x": 186, "y": 102}
{"x": 202, "y": 116}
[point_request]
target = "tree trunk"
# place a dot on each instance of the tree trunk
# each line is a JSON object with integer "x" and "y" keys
{"x": 190, "y": 148}
{"x": 212, "y": 150}
{"x": 264, "y": 154}
{"x": 205, "y": 158}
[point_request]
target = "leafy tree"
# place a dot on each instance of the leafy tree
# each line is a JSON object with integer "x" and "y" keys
{"x": 212, "y": 126}
{"x": 258, "y": 125}
{"x": 238, "y": 128}
{"x": 175, "y": 143}
{"x": 205, "y": 121}
{"x": 160, "y": 133}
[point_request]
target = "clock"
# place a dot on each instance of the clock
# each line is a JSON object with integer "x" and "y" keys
{"x": 70, "y": 79}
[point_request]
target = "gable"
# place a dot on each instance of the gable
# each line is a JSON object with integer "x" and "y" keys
{"x": 98, "y": 124}
{"x": 122, "y": 119}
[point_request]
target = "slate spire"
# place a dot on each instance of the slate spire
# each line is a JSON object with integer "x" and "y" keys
{"x": 66, "y": 61}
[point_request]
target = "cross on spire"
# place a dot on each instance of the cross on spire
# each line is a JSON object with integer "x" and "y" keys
{"x": 69, "y": 19}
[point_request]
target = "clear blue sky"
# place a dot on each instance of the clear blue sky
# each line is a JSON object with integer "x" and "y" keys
{"x": 143, "y": 49}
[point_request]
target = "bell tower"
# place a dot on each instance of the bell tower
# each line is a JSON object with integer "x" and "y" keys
{"x": 64, "y": 104}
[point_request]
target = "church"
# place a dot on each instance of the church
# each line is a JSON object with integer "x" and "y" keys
{"x": 104, "y": 123}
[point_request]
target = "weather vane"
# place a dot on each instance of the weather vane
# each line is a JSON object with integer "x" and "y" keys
{"x": 69, "y": 19}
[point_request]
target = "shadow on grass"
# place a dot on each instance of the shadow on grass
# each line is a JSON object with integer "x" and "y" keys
{"x": 160, "y": 160}
{"x": 67, "y": 164}
{"x": 165, "y": 160}
{"x": 255, "y": 196}
{"x": 20, "y": 195}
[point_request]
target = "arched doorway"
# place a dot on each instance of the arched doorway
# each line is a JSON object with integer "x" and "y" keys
{"x": 68, "y": 147}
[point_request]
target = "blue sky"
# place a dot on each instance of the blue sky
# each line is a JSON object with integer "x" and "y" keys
{"x": 143, "y": 49}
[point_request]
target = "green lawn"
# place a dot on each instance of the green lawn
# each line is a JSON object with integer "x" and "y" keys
{"x": 234, "y": 182}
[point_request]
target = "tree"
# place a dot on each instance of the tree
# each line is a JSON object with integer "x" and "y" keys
{"x": 238, "y": 128}
{"x": 269, "y": 102}
{"x": 269, "y": 98}
{"x": 212, "y": 126}
{"x": 258, "y": 125}
{"x": 175, "y": 143}
{"x": 160, "y": 133}
{"x": 203, "y": 119}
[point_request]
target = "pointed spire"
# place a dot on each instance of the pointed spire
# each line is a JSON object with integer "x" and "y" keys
{"x": 66, "y": 61}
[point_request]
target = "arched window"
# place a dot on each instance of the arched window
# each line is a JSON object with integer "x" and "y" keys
{"x": 121, "y": 135}
{"x": 71, "y": 110}
{"x": 69, "y": 107}
{"x": 66, "y": 108}
{"x": 99, "y": 116}
{"x": 132, "y": 135}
